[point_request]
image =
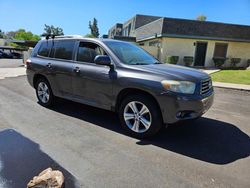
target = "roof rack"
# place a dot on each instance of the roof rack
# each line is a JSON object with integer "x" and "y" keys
{"x": 69, "y": 36}
{"x": 52, "y": 36}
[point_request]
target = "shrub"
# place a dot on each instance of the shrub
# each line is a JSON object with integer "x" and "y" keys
{"x": 188, "y": 60}
{"x": 248, "y": 62}
{"x": 219, "y": 61}
{"x": 235, "y": 61}
{"x": 172, "y": 59}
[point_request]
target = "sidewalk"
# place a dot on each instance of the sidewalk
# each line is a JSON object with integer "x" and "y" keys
{"x": 210, "y": 71}
{"x": 12, "y": 72}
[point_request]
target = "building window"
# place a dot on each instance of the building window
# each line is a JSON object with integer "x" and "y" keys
{"x": 154, "y": 43}
{"x": 141, "y": 44}
{"x": 220, "y": 50}
{"x": 125, "y": 32}
{"x": 129, "y": 29}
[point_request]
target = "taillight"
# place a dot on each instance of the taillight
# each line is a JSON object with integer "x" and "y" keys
{"x": 27, "y": 62}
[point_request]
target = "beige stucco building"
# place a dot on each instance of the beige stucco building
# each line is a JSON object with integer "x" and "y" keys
{"x": 201, "y": 40}
{"x": 187, "y": 47}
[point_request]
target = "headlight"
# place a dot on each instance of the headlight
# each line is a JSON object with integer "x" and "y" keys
{"x": 179, "y": 86}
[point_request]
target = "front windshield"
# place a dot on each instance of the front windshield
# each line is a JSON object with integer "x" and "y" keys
{"x": 131, "y": 54}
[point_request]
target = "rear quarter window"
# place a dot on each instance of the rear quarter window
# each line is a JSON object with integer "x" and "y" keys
{"x": 44, "y": 49}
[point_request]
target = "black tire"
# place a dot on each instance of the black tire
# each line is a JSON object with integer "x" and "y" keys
{"x": 51, "y": 98}
{"x": 155, "y": 114}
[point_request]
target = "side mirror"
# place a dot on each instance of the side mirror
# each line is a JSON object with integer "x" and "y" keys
{"x": 102, "y": 60}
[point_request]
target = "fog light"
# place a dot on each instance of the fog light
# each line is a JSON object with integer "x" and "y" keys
{"x": 178, "y": 115}
{"x": 184, "y": 114}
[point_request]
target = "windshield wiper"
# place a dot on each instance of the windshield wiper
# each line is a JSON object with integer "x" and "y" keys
{"x": 157, "y": 62}
{"x": 139, "y": 64}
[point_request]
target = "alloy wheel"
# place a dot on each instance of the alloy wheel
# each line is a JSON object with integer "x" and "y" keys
{"x": 137, "y": 117}
{"x": 43, "y": 92}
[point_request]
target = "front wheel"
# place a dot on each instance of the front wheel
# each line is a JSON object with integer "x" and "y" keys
{"x": 44, "y": 93}
{"x": 140, "y": 116}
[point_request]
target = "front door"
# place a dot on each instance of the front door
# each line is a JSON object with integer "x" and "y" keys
{"x": 92, "y": 83}
{"x": 200, "y": 54}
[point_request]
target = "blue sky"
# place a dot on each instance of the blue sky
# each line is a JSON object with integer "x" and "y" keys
{"x": 73, "y": 15}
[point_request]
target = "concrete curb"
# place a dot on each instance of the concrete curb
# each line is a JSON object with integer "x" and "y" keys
{"x": 241, "y": 87}
{"x": 210, "y": 71}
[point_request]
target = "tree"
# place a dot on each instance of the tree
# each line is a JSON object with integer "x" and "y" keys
{"x": 201, "y": 18}
{"x": 94, "y": 28}
{"x": 21, "y": 34}
{"x": 89, "y": 36}
{"x": 11, "y": 34}
{"x": 1, "y": 34}
{"x": 51, "y": 30}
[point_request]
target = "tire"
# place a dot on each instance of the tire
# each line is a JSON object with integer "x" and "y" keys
{"x": 44, "y": 93}
{"x": 135, "y": 123}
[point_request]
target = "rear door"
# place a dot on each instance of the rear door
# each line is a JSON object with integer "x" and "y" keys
{"x": 92, "y": 84}
{"x": 60, "y": 66}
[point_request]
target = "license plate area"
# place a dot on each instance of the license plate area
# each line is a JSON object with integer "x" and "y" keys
{"x": 207, "y": 103}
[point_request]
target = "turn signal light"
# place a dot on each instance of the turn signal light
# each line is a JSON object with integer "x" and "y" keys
{"x": 27, "y": 62}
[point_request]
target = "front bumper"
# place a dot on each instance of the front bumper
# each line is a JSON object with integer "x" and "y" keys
{"x": 183, "y": 107}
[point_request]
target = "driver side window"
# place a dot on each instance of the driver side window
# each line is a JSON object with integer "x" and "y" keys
{"x": 88, "y": 51}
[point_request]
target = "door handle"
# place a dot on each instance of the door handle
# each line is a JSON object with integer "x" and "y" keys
{"x": 49, "y": 65}
{"x": 77, "y": 69}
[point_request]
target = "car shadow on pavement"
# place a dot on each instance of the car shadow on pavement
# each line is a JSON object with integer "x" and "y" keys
{"x": 205, "y": 139}
{"x": 21, "y": 159}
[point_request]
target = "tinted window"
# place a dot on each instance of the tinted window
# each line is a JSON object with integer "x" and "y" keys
{"x": 63, "y": 49}
{"x": 88, "y": 51}
{"x": 44, "y": 49}
{"x": 220, "y": 50}
{"x": 52, "y": 51}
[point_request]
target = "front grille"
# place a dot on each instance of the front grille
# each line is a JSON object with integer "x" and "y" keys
{"x": 206, "y": 86}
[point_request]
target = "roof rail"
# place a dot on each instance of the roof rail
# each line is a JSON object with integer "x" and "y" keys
{"x": 52, "y": 36}
{"x": 69, "y": 36}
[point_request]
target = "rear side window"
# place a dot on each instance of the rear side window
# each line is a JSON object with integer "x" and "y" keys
{"x": 63, "y": 49}
{"x": 44, "y": 49}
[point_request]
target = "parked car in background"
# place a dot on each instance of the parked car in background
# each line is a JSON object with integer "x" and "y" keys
{"x": 121, "y": 77}
{"x": 17, "y": 55}
{"x": 6, "y": 54}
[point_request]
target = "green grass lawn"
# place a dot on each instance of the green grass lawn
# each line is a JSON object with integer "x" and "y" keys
{"x": 232, "y": 76}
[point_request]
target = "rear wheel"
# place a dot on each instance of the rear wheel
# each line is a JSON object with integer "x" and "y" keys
{"x": 140, "y": 116}
{"x": 44, "y": 93}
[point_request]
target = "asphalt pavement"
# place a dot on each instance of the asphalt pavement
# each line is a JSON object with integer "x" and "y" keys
{"x": 91, "y": 149}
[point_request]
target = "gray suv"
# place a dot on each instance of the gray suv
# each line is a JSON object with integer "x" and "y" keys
{"x": 120, "y": 77}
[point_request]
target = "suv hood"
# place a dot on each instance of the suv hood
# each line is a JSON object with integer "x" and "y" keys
{"x": 173, "y": 72}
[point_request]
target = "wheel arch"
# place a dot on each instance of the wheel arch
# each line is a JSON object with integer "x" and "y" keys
{"x": 37, "y": 77}
{"x": 131, "y": 91}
